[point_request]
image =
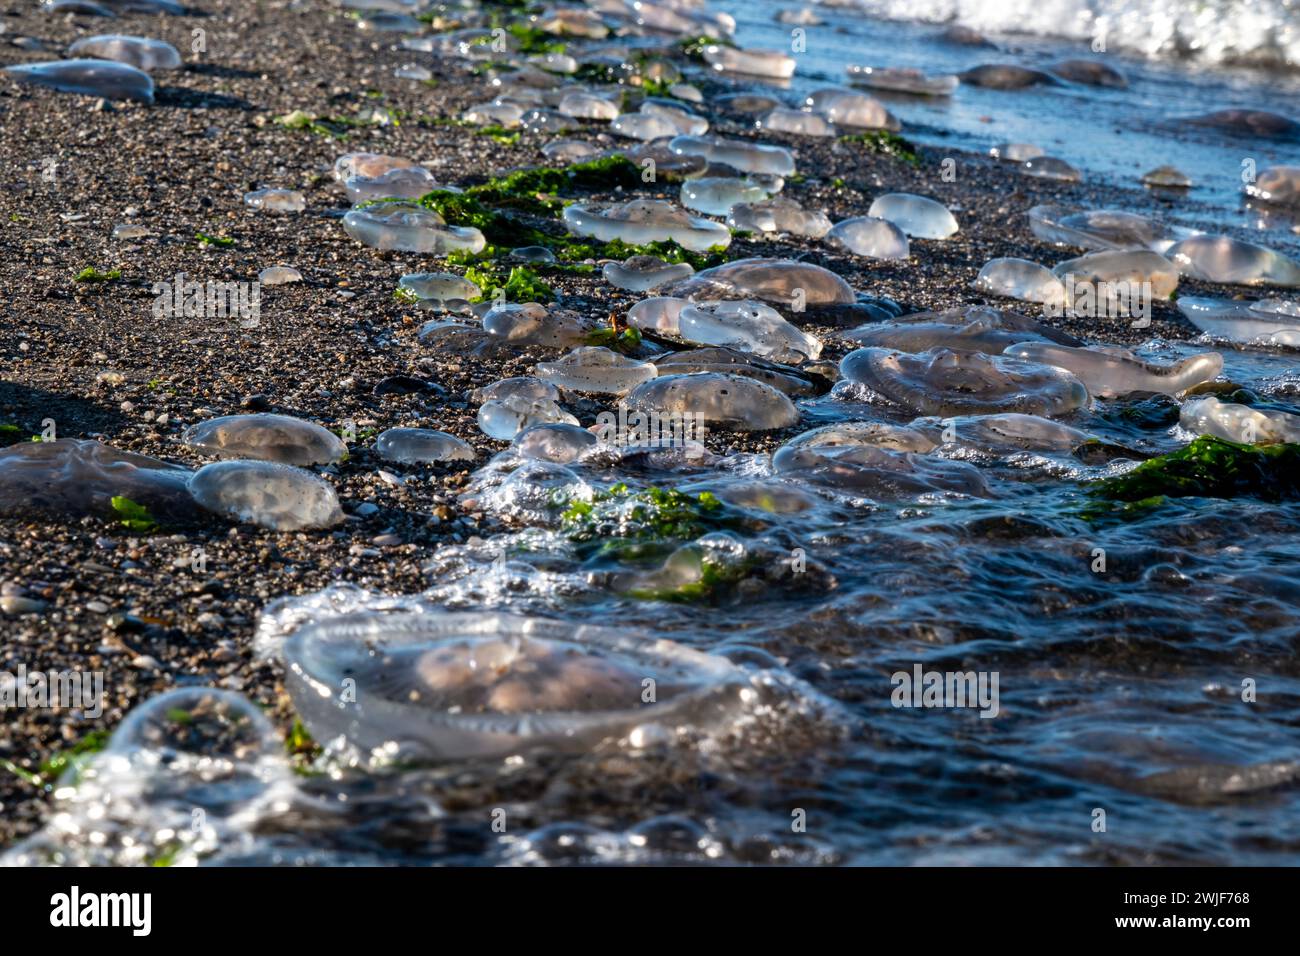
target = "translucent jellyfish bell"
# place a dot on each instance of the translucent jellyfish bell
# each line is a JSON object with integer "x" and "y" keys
{"x": 139, "y": 52}
{"x": 1267, "y": 322}
{"x": 880, "y": 461}
{"x": 409, "y": 228}
{"x": 732, "y": 401}
{"x": 267, "y": 437}
{"x": 1239, "y": 423}
{"x": 596, "y": 370}
{"x": 1231, "y": 261}
{"x": 748, "y": 326}
{"x": 447, "y": 686}
{"x": 72, "y": 478}
{"x": 1114, "y": 372}
{"x": 104, "y": 78}
{"x": 781, "y": 282}
{"x": 916, "y": 215}
{"x": 275, "y": 496}
{"x": 870, "y": 237}
{"x": 643, "y": 221}
{"x": 943, "y": 382}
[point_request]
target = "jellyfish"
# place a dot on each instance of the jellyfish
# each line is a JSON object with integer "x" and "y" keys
{"x": 947, "y": 383}
{"x": 267, "y": 437}
{"x": 1111, "y": 373}
{"x": 269, "y": 494}
{"x": 453, "y": 686}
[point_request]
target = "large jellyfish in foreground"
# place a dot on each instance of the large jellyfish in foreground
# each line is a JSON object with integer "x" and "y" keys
{"x": 440, "y": 685}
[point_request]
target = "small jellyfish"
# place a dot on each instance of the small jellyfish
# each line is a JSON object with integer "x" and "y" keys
{"x": 1007, "y": 76}
{"x": 269, "y": 494}
{"x": 870, "y": 237}
{"x": 730, "y": 401}
{"x": 72, "y": 478}
{"x": 410, "y": 228}
{"x": 851, "y": 108}
{"x": 276, "y": 200}
{"x": 140, "y": 52}
{"x": 557, "y": 442}
{"x": 1091, "y": 73}
{"x": 746, "y": 156}
{"x": 778, "y": 215}
{"x": 103, "y": 78}
{"x": 595, "y": 370}
{"x": 880, "y": 461}
{"x": 917, "y": 216}
{"x": 504, "y": 418}
{"x": 1050, "y": 167}
{"x": 901, "y": 80}
{"x": 1167, "y": 177}
{"x": 788, "y": 379}
{"x": 716, "y": 196}
{"x": 1016, "y": 152}
{"x": 975, "y": 328}
{"x": 766, "y": 63}
{"x": 279, "y": 275}
{"x": 1112, "y": 270}
{"x": 1267, "y": 322}
{"x": 415, "y": 446}
{"x": 657, "y": 314}
{"x": 643, "y": 221}
{"x": 266, "y": 437}
{"x": 1239, "y": 423}
{"x": 1233, "y": 262}
{"x": 1278, "y": 185}
{"x": 794, "y": 123}
{"x": 783, "y": 282}
{"x": 644, "y": 273}
{"x": 452, "y": 686}
{"x": 530, "y": 323}
{"x": 1021, "y": 279}
{"x": 748, "y": 326}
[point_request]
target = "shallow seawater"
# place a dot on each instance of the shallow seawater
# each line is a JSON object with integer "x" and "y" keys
{"x": 1111, "y": 134}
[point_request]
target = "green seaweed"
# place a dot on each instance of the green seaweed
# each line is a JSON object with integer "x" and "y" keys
{"x": 885, "y": 143}
{"x": 651, "y": 515}
{"x": 626, "y": 341}
{"x": 522, "y": 285}
{"x": 134, "y": 516}
{"x": 1209, "y": 467}
{"x": 75, "y": 756}
{"x": 91, "y": 274}
{"x": 714, "y": 577}
{"x": 206, "y": 240}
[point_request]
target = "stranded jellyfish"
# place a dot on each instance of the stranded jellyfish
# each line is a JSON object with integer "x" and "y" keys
{"x": 975, "y": 328}
{"x": 881, "y": 461}
{"x": 731, "y": 401}
{"x": 1240, "y": 423}
{"x": 76, "y": 478}
{"x": 643, "y": 221}
{"x": 449, "y": 686}
{"x": 105, "y": 78}
{"x": 265, "y": 493}
{"x": 1111, "y": 373}
{"x": 782, "y": 282}
{"x": 1266, "y": 322}
{"x": 266, "y": 437}
{"x": 944, "y": 382}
